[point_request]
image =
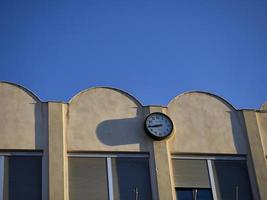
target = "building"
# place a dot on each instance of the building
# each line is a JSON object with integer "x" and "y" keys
{"x": 96, "y": 147}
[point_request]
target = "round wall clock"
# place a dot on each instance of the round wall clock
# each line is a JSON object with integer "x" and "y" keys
{"x": 158, "y": 125}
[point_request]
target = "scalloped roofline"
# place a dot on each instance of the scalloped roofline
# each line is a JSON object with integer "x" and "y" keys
{"x": 202, "y": 92}
{"x": 33, "y": 95}
{"x": 109, "y": 88}
{"x": 23, "y": 88}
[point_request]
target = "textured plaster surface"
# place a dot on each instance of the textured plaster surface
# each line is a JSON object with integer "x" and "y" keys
{"x": 264, "y": 106}
{"x": 57, "y": 153}
{"x": 161, "y": 158}
{"x": 110, "y": 120}
{"x": 262, "y": 123}
{"x": 104, "y": 119}
{"x": 21, "y": 117}
{"x": 256, "y": 154}
{"x": 205, "y": 124}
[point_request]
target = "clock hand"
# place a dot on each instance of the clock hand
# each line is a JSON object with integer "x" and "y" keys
{"x": 156, "y": 125}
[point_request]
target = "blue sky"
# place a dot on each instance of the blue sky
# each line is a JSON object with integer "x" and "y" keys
{"x": 154, "y": 50}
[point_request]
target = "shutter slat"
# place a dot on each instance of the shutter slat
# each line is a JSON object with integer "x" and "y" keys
{"x": 87, "y": 179}
{"x": 190, "y": 173}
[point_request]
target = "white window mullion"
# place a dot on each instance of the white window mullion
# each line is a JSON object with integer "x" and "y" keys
{"x": 212, "y": 180}
{"x": 110, "y": 180}
{"x": 2, "y": 172}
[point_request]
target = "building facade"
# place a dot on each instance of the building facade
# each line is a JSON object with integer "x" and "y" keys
{"x": 96, "y": 147}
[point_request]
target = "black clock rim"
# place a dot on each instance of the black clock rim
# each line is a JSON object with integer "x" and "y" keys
{"x": 154, "y": 136}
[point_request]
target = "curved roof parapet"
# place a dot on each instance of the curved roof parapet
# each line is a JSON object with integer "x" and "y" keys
{"x": 27, "y": 91}
{"x": 264, "y": 106}
{"x": 205, "y": 93}
{"x": 137, "y": 102}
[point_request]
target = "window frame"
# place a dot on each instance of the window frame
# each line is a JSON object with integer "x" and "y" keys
{"x": 209, "y": 160}
{"x": 108, "y": 157}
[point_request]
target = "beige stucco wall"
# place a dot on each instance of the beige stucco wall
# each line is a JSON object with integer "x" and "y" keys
{"x": 256, "y": 157}
{"x": 264, "y": 106}
{"x": 262, "y": 124}
{"x": 262, "y": 121}
{"x": 106, "y": 119}
{"x": 22, "y": 118}
{"x": 205, "y": 124}
{"x": 110, "y": 120}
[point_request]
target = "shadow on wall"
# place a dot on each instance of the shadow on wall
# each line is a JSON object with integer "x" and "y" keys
{"x": 21, "y": 118}
{"x": 239, "y": 136}
{"x": 41, "y": 124}
{"x": 126, "y": 131}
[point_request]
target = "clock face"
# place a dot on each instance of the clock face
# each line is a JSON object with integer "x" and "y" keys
{"x": 158, "y": 125}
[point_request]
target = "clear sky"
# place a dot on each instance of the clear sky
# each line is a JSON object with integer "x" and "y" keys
{"x": 153, "y": 50}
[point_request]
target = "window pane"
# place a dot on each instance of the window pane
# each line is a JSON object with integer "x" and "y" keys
{"x": 190, "y": 173}
{"x": 203, "y": 194}
{"x": 193, "y": 194}
{"x": 232, "y": 180}
{"x": 184, "y": 194}
{"x": 24, "y": 177}
{"x": 87, "y": 179}
{"x": 131, "y": 179}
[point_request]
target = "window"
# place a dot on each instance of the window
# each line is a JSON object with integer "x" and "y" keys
{"x": 231, "y": 180}
{"x": 20, "y": 177}
{"x": 207, "y": 178}
{"x": 131, "y": 178}
{"x": 193, "y": 194}
{"x": 191, "y": 174}
{"x": 108, "y": 177}
{"x": 88, "y": 178}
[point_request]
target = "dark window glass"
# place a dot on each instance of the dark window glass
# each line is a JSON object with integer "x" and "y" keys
{"x": 131, "y": 179}
{"x": 24, "y": 177}
{"x": 184, "y": 194}
{"x": 232, "y": 180}
{"x": 87, "y": 179}
{"x": 203, "y": 194}
{"x": 193, "y": 194}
